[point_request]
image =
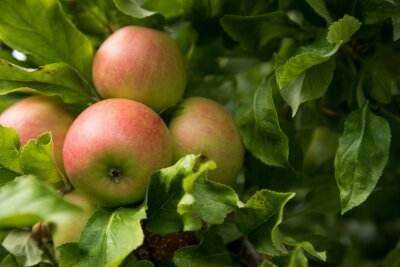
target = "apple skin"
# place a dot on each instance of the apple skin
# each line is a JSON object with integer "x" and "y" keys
{"x": 34, "y": 116}
{"x": 204, "y": 127}
{"x": 112, "y": 148}
{"x": 141, "y": 64}
{"x": 70, "y": 231}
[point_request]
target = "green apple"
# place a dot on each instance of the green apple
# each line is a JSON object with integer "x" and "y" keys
{"x": 204, "y": 127}
{"x": 34, "y": 116}
{"x": 112, "y": 148}
{"x": 141, "y": 64}
{"x": 70, "y": 231}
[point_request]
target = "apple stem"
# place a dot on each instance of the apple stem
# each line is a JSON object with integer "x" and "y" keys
{"x": 115, "y": 174}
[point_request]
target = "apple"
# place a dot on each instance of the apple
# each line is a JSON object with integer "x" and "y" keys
{"x": 204, "y": 127}
{"x": 36, "y": 115}
{"x": 70, "y": 231}
{"x": 112, "y": 148}
{"x": 141, "y": 64}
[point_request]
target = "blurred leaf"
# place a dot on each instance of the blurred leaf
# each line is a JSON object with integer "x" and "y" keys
{"x": 40, "y": 29}
{"x": 9, "y": 156}
{"x": 97, "y": 19}
{"x": 393, "y": 258}
{"x": 205, "y": 200}
{"x": 109, "y": 237}
{"x": 228, "y": 231}
{"x": 7, "y": 101}
{"x": 254, "y": 32}
{"x": 134, "y": 9}
{"x": 143, "y": 263}
{"x": 396, "y": 26}
{"x": 375, "y": 11}
{"x": 259, "y": 128}
{"x": 321, "y": 148}
{"x": 37, "y": 158}
{"x": 24, "y": 248}
{"x": 7, "y": 56}
{"x": 361, "y": 156}
{"x": 53, "y": 79}
{"x": 260, "y": 218}
{"x": 342, "y": 30}
{"x": 68, "y": 255}
{"x": 323, "y": 199}
{"x": 211, "y": 252}
{"x": 26, "y": 201}
{"x": 9, "y": 261}
{"x": 169, "y": 9}
{"x": 319, "y": 6}
{"x": 378, "y": 81}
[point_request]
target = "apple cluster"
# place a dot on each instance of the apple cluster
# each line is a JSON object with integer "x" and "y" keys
{"x": 111, "y": 148}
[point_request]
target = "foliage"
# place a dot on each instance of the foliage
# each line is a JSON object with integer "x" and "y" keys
{"x": 313, "y": 86}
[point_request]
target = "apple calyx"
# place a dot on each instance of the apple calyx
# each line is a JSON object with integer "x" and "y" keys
{"x": 115, "y": 174}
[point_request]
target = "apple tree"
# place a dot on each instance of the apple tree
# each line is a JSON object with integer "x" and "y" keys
{"x": 258, "y": 133}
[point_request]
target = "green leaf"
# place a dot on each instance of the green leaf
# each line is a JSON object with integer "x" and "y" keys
{"x": 37, "y": 158}
{"x": 40, "y": 29}
{"x": 228, "y": 231}
{"x": 109, "y": 237}
{"x": 143, "y": 263}
{"x": 307, "y": 246}
{"x": 320, "y": 8}
{"x": 323, "y": 199}
{"x": 204, "y": 200}
{"x": 163, "y": 195}
{"x": 361, "y": 156}
{"x": 322, "y": 147}
{"x": 53, "y": 79}
{"x": 68, "y": 255}
{"x": 295, "y": 258}
{"x": 306, "y": 58}
{"x": 393, "y": 258}
{"x": 254, "y": 32}
{"x": 310, "y": 85}
{"x": 26, "y": 201}
{"x": 378, "y": 81}
{"x": 260, "y": 218}
{"x": 9, "y": 261}
{"x": 133, "y": 8}
{"x": 259, "y": 128}
{"x": 304, "y": 77}
{"x": 396, "y": 26}
{"x": 24, "y": 248}
{"x": 376, "y": 11}
{"x": 9, "y": 156}
{"x": 211, "y": 252}
{"x": 169, "y": 9}
{"x": 342, "y": 30}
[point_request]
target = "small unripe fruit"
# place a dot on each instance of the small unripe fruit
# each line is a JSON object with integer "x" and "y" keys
{"x": 36, "y": 115}
{"x": 141, "y": 64}
{"x": 112, "y": 148}
{"x": 204, "y": 127}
